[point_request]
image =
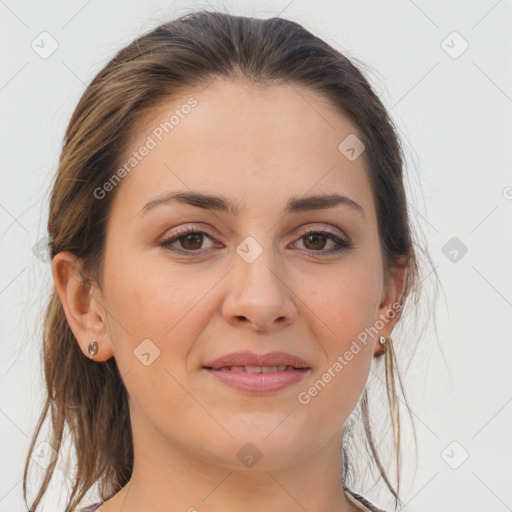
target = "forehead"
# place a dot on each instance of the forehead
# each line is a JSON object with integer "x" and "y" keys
{"x": 238, "y": 139}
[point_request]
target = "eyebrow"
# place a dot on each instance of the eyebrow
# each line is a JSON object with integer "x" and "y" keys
{"x": 223, "y": 204}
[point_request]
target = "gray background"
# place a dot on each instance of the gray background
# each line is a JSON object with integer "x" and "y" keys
{"x": 453, "y": 111}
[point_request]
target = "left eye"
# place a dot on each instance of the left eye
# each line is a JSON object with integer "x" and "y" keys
{"x": 313, "y": 239}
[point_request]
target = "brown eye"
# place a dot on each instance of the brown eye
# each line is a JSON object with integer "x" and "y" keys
{"x": 316, "y": 240}
{"x": 191, "y": 241}
{"x": 316, "y": 243}
{"x": 188, "y": 241}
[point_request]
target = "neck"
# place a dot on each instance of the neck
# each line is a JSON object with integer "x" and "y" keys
{"x": 168, "y": 477}
{"x": 222, "y": 489}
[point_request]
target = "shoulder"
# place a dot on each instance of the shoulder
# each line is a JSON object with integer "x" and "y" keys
{"x": 361, "y": 502}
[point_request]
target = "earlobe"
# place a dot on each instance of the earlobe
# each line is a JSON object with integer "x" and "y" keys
{"x": 83, "y": 312}
{"x": 390, "y": 308}
{"x": 382, "y": 346}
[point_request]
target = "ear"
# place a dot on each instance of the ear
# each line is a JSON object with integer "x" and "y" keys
{"x": 82, "y": 305}
{"x": 390, "y": 307}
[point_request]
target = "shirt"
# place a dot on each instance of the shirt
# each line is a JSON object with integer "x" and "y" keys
{"x": 361, "y": 503}
{"x": 358, "y": 500}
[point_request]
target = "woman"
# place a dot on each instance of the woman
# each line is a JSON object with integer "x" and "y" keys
{"x": 230, "y": 248}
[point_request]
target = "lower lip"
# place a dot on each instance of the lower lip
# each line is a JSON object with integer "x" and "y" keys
{"x": 259, "y": 382}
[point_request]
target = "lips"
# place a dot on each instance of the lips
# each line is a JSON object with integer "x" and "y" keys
{"x": 257, "y": 369}
{"x": 253, "y": 373}
{"x": 249, "y": 359}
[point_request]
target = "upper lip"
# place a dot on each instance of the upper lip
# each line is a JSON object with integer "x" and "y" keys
{"x": 252, "y": 359}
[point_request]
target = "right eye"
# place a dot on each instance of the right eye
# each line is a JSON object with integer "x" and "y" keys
{"x": 190, "y": 240}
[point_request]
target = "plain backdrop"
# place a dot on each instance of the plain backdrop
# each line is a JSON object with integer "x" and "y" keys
{"x": 443, "y": 69}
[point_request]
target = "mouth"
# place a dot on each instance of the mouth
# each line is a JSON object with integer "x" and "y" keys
{"x": 255, "y": 369}
{"x": 254, "y": 373}
{"x": 258, "y": 379}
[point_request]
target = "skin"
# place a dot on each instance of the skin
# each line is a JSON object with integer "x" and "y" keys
{"x": 258, "y": 146}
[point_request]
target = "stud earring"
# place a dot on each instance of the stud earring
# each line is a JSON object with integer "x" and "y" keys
{"x": 93, "y": 348}
{"x": 382, "y": 345}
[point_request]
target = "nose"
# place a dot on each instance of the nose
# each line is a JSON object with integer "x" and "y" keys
{"x": 258, "y": 295}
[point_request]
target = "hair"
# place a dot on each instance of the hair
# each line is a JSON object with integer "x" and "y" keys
{"x": 188, "y": 52}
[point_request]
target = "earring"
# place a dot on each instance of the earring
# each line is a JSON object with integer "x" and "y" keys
{"x": 382, "y": 345}
{"x": 93, "y": 348}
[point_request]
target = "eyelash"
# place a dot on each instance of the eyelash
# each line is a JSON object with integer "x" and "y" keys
{"x": 342, "y": 245}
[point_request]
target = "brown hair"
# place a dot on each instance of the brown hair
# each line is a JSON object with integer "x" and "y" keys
{"x": 189, "y": 52}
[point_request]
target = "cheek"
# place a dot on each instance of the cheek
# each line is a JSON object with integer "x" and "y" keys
{"x": 151, "y": 299}
{"x": 346, "y": 301}
{"x": 153, "y": 302}
{"x": 339, "y": 381}
{"x": 344, "y": 307}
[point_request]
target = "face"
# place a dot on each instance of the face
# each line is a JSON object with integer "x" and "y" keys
{"x": 259, "y": 270}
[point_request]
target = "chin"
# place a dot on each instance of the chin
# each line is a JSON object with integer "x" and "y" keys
{"x": 265, "y": 442}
